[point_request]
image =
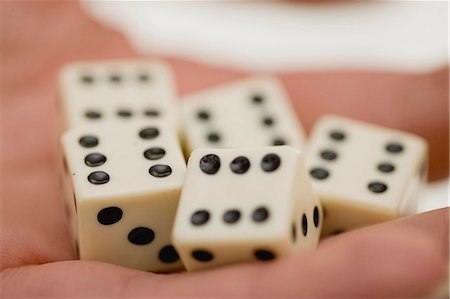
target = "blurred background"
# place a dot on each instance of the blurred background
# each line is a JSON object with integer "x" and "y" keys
{"x": 277, "y": 35}
{"x": 405, "y": 36}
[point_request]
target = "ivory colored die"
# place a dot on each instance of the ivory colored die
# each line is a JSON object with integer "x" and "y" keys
{"x": 117, "y": 91}
{"x": 252, "y": 112}
{"x": 246, "y": 204}
{"x": 123, "y": 184}
{"x": 364, "y": 173}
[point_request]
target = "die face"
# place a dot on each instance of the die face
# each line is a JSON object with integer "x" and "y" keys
{"x": 354, "y": 164}
{"x": 126, "y": 194}
{"x": 307, "y": 218}
{"x": 111, "y": 161}
{"x": 244, "y": 205}
{"x": 252, "y": 194}
{"x": 117, "y": 91}
{"x": 210, "y": 255}
{"x": 248, "y": 113}
{"x": 132, "y": 232}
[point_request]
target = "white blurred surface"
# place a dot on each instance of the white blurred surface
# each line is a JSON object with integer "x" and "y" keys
{"x": 404, "y": 35}
{"x": 434, "y": 196}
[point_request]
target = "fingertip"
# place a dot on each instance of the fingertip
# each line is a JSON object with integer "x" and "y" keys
{"x": 365, "y": 263}
{"x": 382, "y": 263}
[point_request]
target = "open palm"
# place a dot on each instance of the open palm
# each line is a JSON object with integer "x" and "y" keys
{"x": 403, "y": 258}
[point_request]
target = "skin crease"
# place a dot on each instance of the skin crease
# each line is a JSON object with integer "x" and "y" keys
{"x": 402, "y": 258}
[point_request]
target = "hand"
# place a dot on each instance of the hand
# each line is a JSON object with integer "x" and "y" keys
{"x": 403, "y": 258}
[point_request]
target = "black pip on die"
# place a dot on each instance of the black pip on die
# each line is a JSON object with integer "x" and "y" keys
{"x": 251, "y": 112}
{"x": 364, "y": 173}
{"x": 124, "y": 183}
{"x": 246, "y": 204}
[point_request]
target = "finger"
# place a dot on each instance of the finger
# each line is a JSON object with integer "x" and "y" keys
{"x": 435, "y": 224}
{"x": 387, "y": 261}
{"x": 380, "y": 261}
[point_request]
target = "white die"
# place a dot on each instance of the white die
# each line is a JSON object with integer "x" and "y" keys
{"x": 125, "y": 186}
{"x": 245, "y": 204}
{"x": 364, "y": 173}
{"x": 251, "y": 112}
{"x": 117, "y": 91}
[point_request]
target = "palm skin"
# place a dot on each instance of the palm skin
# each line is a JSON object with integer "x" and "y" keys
{"x": 403, "y": 258}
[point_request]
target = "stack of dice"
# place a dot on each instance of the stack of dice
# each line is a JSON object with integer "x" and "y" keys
{"x": 253, "y": 188}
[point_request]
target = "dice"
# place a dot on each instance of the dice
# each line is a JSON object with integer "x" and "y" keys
{"x": 118, "y": 91}
{"x": 248, "y": 113}
{"x": 123, "y": 184}
{"x": 246, "y": 204}
{"x": 364, "y": 173}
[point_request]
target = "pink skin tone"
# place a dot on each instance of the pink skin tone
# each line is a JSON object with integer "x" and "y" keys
{"x": 406, "y": 258}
